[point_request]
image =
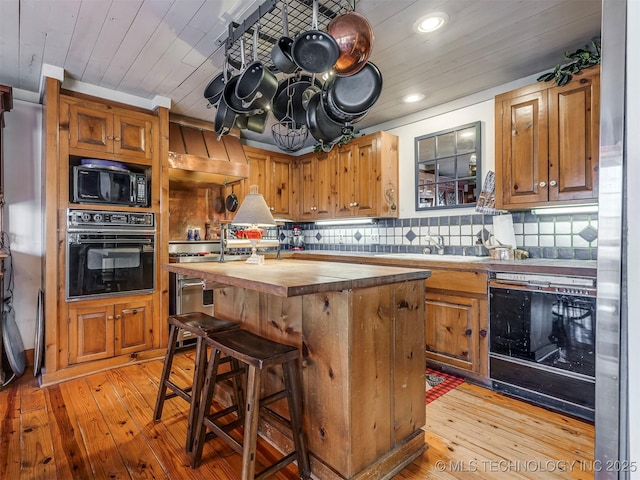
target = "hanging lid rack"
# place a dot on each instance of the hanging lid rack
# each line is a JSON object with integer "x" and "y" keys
{"x": 299, "y": 13}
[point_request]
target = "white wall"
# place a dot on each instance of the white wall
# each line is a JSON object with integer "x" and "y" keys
{"x": 477, "y": 107}
{"x": 633, "y": 232}
{"x": 22, "y": 142}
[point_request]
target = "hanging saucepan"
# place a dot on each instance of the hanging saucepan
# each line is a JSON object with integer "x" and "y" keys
{"x": 315, "y": 51}
{"x": 321, "y": 126}
{"x": 256, "y": 123}
{"x": 215, "y": 88}
{"x": 256, "y": 85}
{"x": 281, "y": 51}
{"x": 229, "y": 94}
{"x": 297, "y": 87}
{"x": 225, "y": 118}
{"x": 356, "y": 94}
{"x": 234, "y": 102}
{"x": 354, "y": 36}
{"x": 231, "y": 202}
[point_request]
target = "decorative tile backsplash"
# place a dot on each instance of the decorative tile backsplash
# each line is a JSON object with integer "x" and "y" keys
{"x": 572, "y": 236}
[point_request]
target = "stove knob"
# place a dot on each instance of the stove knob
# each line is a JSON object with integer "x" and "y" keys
{"x": 85, "y": 216}
{"x": 97, "y": 217}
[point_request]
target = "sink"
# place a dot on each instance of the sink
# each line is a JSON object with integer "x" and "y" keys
{"x": 431, "y": 258}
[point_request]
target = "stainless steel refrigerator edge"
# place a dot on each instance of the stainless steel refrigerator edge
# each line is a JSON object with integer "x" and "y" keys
{"x": 611, "y": 354}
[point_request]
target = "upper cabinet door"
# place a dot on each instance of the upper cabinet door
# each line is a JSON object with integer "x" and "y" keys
{"x": 547, "y": 143}
{"x": 281, "y": 187}
{"x": 132, "y": 136}
{"x": 90, "y": 129}
{"x": 100, "y": 130}
{"x": 522, "y": 150}
{"x": 574, "y": 127}
{"x": 366, "y": 176}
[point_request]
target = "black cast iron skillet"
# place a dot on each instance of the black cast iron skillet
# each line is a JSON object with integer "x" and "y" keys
{"x": 231, "y": 201}
{"x": 315, "y": 51}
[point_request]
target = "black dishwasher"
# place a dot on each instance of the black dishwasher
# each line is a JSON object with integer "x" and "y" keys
{"x": 542, "y": 339}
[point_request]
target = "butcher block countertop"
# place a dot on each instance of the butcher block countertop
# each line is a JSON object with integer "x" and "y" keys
{"x": 292, "y": 277}
{"x": 586, "y": 268}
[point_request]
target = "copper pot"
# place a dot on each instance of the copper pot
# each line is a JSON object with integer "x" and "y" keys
{"x": 354, "y": 36}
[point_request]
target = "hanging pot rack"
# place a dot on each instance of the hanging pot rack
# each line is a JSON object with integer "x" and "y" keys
{"x": 268, "y": 15}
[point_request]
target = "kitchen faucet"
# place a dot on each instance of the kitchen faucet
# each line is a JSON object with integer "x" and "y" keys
{"x": 437, "y": 241}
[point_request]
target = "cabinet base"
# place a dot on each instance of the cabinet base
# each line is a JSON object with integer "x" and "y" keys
{"x": 80, "y": 370}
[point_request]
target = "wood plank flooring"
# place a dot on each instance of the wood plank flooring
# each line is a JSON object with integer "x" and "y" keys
{"x": 101, "y": 427}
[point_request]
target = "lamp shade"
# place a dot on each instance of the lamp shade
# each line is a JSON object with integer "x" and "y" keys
{"x": 254, "y": 210}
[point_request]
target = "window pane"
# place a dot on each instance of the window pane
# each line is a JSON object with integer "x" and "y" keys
{"x": 446, "y": 169}
{"x": 466, "y": 165}
{"x": 466, "y": 140}
{"x": 469, "y": 190}
{"x": 426, "y": 149}
{"x": 426, "y": 195}
{"x": 446, "y": 145}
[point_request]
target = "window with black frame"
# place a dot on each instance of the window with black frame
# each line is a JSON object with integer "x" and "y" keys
{"x": 448, "y": 168}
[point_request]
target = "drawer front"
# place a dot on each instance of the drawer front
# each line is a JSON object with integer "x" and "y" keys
{"x": 471, "y": 282}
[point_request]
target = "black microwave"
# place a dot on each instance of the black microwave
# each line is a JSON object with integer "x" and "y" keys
{"x": 109, "y": 186}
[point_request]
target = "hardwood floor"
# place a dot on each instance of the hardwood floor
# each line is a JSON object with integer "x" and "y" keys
{"x": 101, "y": 427}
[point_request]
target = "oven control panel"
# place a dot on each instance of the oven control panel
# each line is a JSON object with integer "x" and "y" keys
{"x": 103, "y": 218}
{"x": 560, "y": 284}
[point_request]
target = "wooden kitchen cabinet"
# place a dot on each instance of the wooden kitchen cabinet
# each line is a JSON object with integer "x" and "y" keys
{"x": 456, "y": 321}
{"x": 273, "y": 175}
{"x": 547, "y": 143}
{"x": 367, "y": 176}
{"x": 316, "y": 183}
{"x": 100, "y": 128}
{"x": 83, "y": 336}
{"x": 103, "y": 331}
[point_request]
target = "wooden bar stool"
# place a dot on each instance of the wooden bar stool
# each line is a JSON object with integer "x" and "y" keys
{"x": 257, "y": 353}
{"x": 201, "y": 325}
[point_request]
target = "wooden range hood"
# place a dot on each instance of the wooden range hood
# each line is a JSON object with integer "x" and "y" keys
{"x": 196, "y": 155}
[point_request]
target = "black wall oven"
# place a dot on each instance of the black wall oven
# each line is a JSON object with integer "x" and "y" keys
{"x": 109, "y": 253}
{"x": 542, "y": 339}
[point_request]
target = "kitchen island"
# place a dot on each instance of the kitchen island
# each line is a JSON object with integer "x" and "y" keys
{"x": 360, "y": 331}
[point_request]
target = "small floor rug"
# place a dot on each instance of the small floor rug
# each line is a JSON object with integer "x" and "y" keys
{"x": 438, "y": 383}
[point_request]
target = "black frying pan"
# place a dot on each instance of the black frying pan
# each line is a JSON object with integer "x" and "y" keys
{"x": 356, "y": 94}
{"x": 314, "y": 50}
{"x": 231, "y": 201}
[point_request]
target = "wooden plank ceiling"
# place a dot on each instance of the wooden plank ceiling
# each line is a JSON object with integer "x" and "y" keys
{"x": 172, "y": 48}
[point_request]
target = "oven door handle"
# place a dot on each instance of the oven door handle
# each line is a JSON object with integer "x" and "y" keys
{"x": 196, "y": 284}
{"x": 145, "y": 241}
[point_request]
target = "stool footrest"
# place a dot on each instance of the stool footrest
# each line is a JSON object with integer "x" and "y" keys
{"x": 277, "y": 418}
{"x": 279, "y": 465}
{"x": 274, "y": 397}
{"x": 177, "y": 391}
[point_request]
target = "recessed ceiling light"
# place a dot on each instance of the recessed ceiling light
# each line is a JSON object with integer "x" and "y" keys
{"x": 412, "y": 97}
{"x": 431, "y": 22}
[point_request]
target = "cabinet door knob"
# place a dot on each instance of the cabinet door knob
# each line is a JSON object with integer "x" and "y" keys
{"x": 543, "y": 184}
{"x": 468, "y": 332}
{"x": 109, "y": 137}
{"x": 117, "y": 139}
{"x": 135, "y": 310}
{"x": 483, "y": 333}
{"x": 110, "y": 317}
{"x": 118, "y": 316}
{"x": 553, "y": 183}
